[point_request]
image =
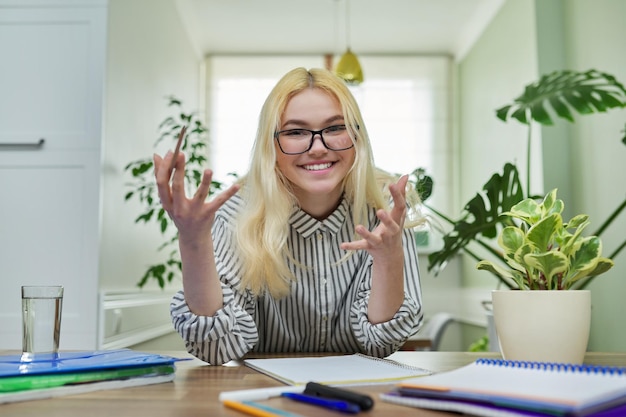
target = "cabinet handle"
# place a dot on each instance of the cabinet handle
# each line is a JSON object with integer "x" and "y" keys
{"x": 35, "y": 145}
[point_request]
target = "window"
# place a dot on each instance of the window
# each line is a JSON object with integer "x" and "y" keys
{"x": 404, "y": 101}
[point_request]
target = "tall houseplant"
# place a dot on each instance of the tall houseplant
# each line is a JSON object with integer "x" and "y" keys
{"x": 142, "y": 186}
{"x": 560, "y": 94}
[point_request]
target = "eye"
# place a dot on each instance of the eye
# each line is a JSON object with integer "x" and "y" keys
{"x": 335, "y": 130}
{"x": 295, "y": 133}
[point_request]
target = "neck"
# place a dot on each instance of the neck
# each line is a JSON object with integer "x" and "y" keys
{"x": 320, "y": 206}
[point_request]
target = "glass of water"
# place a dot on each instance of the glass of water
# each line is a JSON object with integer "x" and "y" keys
{"x": 41, "y": 322}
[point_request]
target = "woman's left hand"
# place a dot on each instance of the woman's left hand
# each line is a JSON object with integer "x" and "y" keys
{"x": 386, "y": 239}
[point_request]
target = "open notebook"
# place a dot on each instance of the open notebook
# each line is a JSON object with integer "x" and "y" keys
{"x": 352, "y": 369}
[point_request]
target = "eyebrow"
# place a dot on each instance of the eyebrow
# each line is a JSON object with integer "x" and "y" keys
{"x": 297, "y": 122}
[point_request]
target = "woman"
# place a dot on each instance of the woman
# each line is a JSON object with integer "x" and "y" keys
{"x": 310, "y": 251}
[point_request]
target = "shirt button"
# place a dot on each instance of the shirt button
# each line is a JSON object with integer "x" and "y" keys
{"x": 324, "y": 318}
{"x": 320, "y": 236}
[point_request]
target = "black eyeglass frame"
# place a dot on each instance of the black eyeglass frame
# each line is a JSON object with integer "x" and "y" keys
{"x": 313, "y": 133}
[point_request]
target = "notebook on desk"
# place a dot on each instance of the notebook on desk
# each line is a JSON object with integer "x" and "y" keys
{"x": 501, "y": 387}
{"x": 352, "y": 369}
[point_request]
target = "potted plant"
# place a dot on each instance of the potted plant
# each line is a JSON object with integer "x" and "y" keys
{"x": 546, "y": 257}
{"x": 557, "y": 95}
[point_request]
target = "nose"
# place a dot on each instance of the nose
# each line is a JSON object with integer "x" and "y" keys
{"x": 317, "y": 145}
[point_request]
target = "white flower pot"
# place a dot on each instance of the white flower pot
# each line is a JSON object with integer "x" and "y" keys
{"x": 544, "y": 326}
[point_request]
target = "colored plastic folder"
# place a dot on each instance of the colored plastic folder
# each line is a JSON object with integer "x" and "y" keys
{"x": 11, "y": 365}
{"x": 80, "y": 372}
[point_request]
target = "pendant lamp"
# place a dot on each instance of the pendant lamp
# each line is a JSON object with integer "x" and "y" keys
{"x": 348, "y": 68}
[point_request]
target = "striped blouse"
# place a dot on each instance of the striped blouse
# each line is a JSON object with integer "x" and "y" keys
{"x": 326, "y": 310}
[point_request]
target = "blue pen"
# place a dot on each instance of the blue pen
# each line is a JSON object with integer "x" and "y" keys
{"x": 337, "y": 405}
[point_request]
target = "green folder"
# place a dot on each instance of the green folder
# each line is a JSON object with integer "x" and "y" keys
{"x": 29, "y": 382}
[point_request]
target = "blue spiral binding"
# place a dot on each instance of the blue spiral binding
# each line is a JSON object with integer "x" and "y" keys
{"x": 554, "y": 366}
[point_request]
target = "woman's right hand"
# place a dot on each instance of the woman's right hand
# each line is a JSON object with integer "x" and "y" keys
{"x": 193, "y": 216}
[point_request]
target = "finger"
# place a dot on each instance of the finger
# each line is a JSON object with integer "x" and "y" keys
{"x": 398, "y": 193}
{"x": 178, "y": 179}
{"x": 388, "y": 221}
{"x": 205, "y": 185}
{"x": 158, "y": 165}
{"x": 360, "y": 243}
{"x": 371, "y": 238}
{"x": 162, "y": 180}
{"x": 222, "y": 197}
{"x": 398, "y": 190}
{"x": 355, "y": 245}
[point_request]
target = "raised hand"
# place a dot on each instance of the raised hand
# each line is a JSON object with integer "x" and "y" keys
{"x": 192, "y": 216}
{"x": 386, "y": 239}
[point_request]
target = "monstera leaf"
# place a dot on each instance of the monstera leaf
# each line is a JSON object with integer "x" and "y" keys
{"x": 586, "y": 92}
{"x": 481, "y": 216}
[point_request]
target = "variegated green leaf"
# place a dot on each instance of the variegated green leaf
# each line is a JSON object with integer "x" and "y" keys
{"x": 549, "y": 264}
{"x": 541, "y": 234}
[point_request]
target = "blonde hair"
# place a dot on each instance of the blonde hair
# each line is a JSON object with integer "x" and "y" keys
{"x": 262, "y": 227}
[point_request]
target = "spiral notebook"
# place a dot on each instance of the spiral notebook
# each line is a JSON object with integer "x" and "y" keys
{"x": 352, "y": 369}
{"x": 530, "y": 388}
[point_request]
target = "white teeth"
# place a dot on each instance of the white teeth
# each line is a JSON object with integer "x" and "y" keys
{"x": 317, "y": 167}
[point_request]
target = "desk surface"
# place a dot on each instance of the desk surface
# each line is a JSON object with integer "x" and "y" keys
{"x": 194, "y": 393}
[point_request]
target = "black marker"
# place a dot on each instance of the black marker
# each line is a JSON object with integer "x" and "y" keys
{"x": 364, "y": 402}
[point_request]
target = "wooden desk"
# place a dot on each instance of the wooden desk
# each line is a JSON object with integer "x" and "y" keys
{"x": 195, "y": 391}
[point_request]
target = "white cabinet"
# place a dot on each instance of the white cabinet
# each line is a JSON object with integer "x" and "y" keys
{"x": 51, "y": 83}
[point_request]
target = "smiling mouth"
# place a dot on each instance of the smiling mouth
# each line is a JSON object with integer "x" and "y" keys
{"x": 317, "y": 167}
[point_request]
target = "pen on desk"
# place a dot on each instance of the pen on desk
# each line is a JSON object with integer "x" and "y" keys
{"x": 253, "y": 409}
{"x": 276, "y": 411}
{"x": 257, "y": 394}
{"x": 329, "y": 403}
{"x": 365, "y": 402}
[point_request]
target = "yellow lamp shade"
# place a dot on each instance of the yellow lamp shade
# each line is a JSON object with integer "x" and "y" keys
{"x": 349, "y": 69}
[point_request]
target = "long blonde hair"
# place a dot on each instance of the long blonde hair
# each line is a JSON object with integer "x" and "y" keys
{"x": 262, "y": 226}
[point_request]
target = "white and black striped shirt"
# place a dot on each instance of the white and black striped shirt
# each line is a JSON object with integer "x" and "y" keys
{"x": 326, "y": 310}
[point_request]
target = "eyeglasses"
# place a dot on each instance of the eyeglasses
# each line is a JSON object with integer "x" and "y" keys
{"x": 297, "y": 141}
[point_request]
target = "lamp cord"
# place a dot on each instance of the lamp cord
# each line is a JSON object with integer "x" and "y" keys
{"x": 348, "y": 24}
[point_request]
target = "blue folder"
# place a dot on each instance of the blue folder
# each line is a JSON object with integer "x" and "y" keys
{"x": 72, "y": 362}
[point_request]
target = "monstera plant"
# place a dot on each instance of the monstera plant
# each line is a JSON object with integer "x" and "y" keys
{"x": 561, "y": 94}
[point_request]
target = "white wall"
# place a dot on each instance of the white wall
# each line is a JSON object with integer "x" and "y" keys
{"x": 149, "y": 57}
{"x": 502, "y": 61}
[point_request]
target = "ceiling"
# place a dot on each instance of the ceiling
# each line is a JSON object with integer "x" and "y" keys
{"x": 321, "y": 26}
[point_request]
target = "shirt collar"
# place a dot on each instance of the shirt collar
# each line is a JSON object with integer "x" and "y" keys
{"x": 306, "y": 225}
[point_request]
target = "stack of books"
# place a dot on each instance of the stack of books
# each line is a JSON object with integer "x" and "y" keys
{"x": 80, "y": 372}
{"x": 504, "y": 388}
